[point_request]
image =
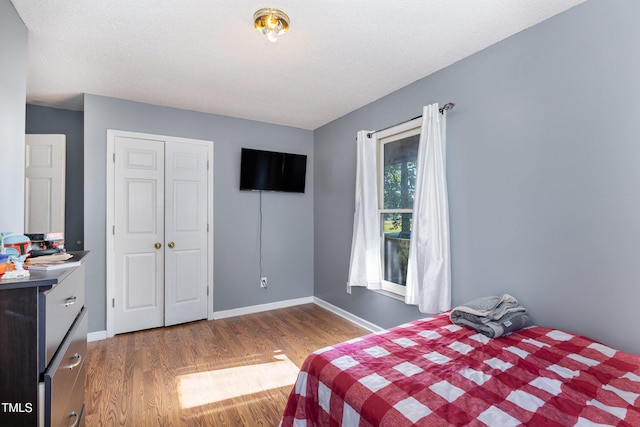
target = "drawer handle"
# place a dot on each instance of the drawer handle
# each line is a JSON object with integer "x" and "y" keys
{"x": 77, "y": 362}
{"x": 70, "y": 301}
{"x": 74, "y": 414}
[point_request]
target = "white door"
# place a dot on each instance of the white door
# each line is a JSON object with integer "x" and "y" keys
{"x": 138, "y": 301}
{"x": 44, "y": 183}
{"x": 160, "y": 240}
{"x": 185, "y": 232}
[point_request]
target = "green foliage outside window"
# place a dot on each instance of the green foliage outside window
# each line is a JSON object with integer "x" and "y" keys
{"x": 400, "y": 162}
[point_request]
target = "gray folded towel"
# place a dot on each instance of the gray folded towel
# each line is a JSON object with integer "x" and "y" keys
{"x": 492, "y": 316}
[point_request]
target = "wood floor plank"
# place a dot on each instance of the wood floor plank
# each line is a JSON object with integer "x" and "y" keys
{"x": 226, "y": 373}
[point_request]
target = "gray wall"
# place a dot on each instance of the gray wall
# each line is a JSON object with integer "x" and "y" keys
{"x": 43, "y": 120}
{"x": 287, "y": 218}
{"x": 13, "y": 84}
{"x": 543, "y": 171}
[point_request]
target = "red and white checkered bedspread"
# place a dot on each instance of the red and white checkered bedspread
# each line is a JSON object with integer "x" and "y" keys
{"x": 433, "y": 373}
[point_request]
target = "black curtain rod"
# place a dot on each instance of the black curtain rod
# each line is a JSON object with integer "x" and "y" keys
{"x": 445, "y": 107}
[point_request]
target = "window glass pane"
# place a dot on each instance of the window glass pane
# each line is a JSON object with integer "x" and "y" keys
{"x": 397, "y": 232}
{"x": 400, "y": 159}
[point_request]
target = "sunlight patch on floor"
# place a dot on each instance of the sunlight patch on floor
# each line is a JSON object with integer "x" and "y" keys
{"x": 203, "y": 388}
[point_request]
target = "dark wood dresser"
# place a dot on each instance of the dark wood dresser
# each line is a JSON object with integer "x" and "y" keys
{"x": 43, "y": 343}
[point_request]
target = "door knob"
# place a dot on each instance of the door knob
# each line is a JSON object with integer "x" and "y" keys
{"x": 158, "y": 245}
{"x": 171, "y": 244}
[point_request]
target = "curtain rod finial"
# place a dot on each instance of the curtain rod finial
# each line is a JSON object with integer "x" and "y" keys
{"x": 447, "y": 106}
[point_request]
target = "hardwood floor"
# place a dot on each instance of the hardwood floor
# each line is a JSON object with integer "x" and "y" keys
{"x": 230, "y": 372}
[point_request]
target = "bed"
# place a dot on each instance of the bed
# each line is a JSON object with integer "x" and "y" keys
{"x": 432, "y": 372}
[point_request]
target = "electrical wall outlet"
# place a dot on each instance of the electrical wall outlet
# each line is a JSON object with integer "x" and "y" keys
{"x": 263, "y": 282}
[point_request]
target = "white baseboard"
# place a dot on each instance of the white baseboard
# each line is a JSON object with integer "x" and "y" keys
{"x": 261, "y": 307}
{"x": 347, "y": 315}
{"x": 96, "y": 336}
{"x": 101, "y": 335}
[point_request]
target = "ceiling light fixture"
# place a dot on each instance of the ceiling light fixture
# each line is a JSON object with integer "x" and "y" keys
{"x": 271, "y": 22}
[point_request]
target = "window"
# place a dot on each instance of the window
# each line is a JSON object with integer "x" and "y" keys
{"x": 397, "y": 163}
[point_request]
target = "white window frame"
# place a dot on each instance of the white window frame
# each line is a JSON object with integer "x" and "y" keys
{"x": 394, "y": 133}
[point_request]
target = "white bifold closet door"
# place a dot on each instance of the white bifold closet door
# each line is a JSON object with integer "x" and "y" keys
{"x": 160, "y": 233}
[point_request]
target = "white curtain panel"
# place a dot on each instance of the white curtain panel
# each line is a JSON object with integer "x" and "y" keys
{"x": 429, "y": 268}
{"x": 365, "y": 267}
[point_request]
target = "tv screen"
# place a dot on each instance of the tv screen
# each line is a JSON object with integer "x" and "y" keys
{"x": 272, "y": 171}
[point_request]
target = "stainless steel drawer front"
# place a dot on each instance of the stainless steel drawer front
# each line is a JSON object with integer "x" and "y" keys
{"x": 64, "y": 379}
{"x": 62, "y": 304}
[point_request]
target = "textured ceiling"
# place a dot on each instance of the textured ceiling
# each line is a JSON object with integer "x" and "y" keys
{"x": 204, "y": 55}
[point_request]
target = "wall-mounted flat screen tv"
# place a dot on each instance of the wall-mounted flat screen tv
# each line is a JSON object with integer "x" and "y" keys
{"x": 272, "y": 171}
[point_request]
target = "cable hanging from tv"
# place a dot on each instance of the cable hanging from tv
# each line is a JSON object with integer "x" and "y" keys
{"x": 446, "y": 107}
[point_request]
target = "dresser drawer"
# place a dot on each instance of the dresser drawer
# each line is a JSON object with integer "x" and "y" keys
{"x": 64, "y": 379}
{"x": 61, "y": 305}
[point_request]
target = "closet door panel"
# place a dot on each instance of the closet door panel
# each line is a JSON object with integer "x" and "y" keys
{"x": 186, "y": 232}
{"x": 139, "y": 234}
